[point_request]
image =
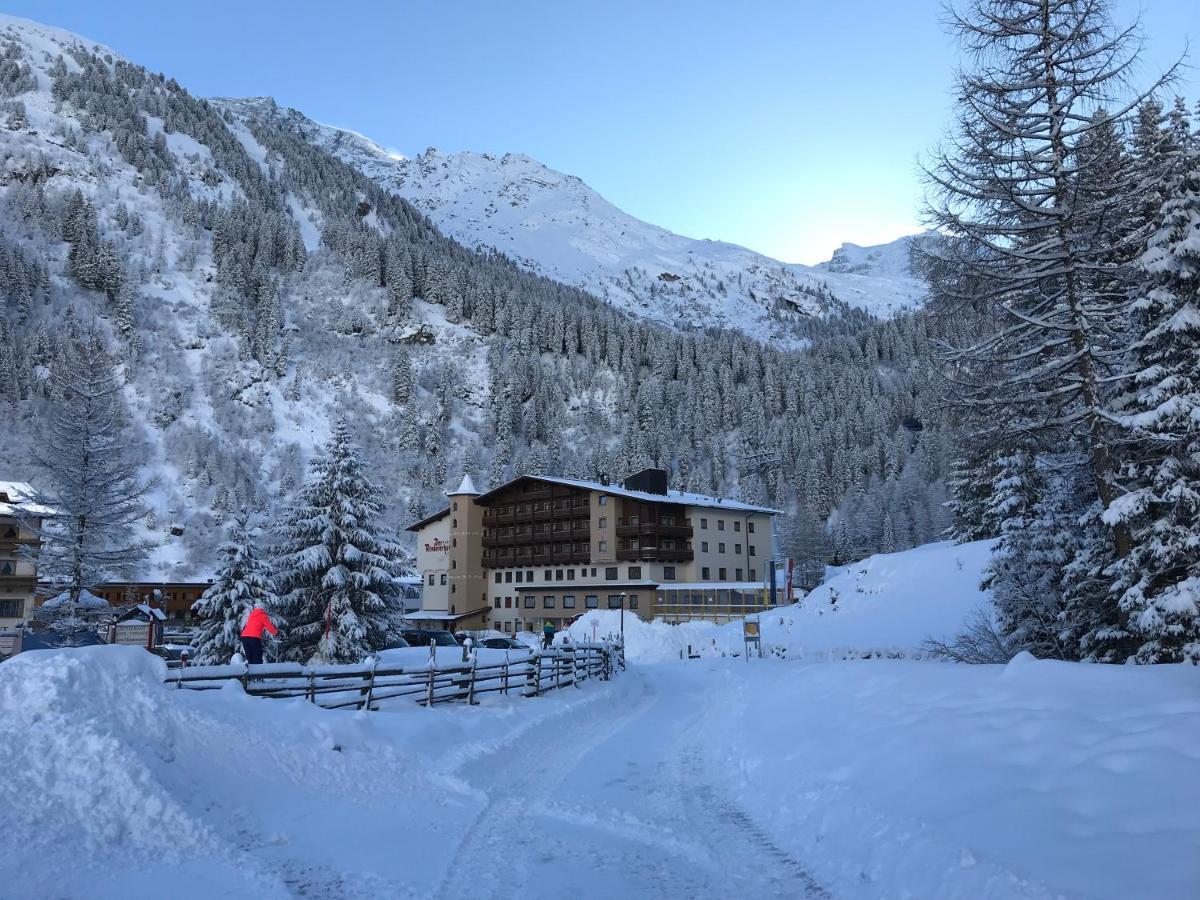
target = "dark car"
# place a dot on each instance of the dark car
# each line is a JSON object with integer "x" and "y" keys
{"x": 397, "y": 643}
{"x": 420, "y": 637}
{"x": 504, "y": 643}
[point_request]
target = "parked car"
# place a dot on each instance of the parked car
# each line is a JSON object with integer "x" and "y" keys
{"x": 420, "y": 637}
{"x": 397, "y": 643}
{"x": 504, "y": 643}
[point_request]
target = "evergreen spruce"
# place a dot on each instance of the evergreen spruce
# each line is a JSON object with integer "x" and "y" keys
{"x": 241, "y": 582}
{"x": 334, "y": 571}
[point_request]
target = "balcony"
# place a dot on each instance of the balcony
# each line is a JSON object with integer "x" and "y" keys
{"x": 626, "y": 528}
{"x": 653, "y": 554}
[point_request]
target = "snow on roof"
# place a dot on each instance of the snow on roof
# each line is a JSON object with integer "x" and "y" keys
{"x": 466, "y": 486}
{"x": 15, "y": 499}
{"x": 713, "y": 586}
{"x": 150, "y": 612}
{"x": 86, "y": 599}
{"x": 671, "y": 496}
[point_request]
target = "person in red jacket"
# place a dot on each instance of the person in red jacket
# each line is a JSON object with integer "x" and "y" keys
{"x": 252, "y": 633}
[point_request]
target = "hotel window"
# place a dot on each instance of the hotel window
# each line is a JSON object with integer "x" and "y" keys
{"x": 508, "y": 602}
{"x": 548, "y": 577}
{"x": 455, "y": 505}
{"x": 520, "y": 577}
{"x": 604, "y": 521}
{"x": 704, "y": 573}
{"x": 737, "y": 548}
{"x": 499, "y": 577}
{"x": 721, "y": 574}
{"x": 704, "y": 546}
{"x": 454, "y": 523}
{"x": 443, "y": 577}
{"x": 431, "y": 579}
{"x": 604, "y": 500}
{"x": 558, "y": 574}
{"x": 530, "y": 601}
{"x": 635, "y": 572}
{"x": 738, "y": 575}
{"x": 497, "y": 603}
{"x": 591, "y": 601}
{"x": 570, "y": 574}
{"x": 454, "y": 588}
{"x": 720, "y": 524}
{"x": 751, "y": 549}
{"x": 508, "y": 577}
{"x": 633, "y": 601}
{"x": 529, "y": 576}
{"x": 737, "y": 526}
{"x": 548, "y": 602}
{"x": 604, "y": 546}
{"x": 750, "y": 526}
{"x": 12, "y": 609}
{"x": 754, "y": 574}
{"x": 593, "y": 571}
{"x": 568, "y": 601}
{"x": 610, "y": 574}
{"x": 668, "y": 573}
{"x": 454, "y": 563}
{"x": 721, "y": 547}
{"x": 704, "y": 523}
{"x": 614, "y": 601}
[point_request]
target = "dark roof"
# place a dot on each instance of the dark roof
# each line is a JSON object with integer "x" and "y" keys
{"x": 428, "y": 520}
{"x": 679, "y": 497}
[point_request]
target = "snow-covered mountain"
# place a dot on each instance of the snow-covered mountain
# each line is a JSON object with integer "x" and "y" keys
{"x": 556, "y": 225}
{"x": 253, "y": 288}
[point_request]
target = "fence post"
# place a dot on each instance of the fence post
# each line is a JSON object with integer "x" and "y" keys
{"x": 429, "y": 691}
{"x": 558, "y": 659}
{"x": 369, "y": 689}
{"x": 504, "y": 676}
{"x": 533, "y": 680}
{"x": 574, "y": 669}
{"x": 471, "y": 686}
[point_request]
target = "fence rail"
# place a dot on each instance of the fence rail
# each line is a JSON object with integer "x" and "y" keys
{"x": 366, "y": 685}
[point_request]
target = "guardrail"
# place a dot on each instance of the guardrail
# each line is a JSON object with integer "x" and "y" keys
{"x": 366, "y": 685}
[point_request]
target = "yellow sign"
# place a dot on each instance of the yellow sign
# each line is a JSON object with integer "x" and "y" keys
{"x": 749, "y": 628}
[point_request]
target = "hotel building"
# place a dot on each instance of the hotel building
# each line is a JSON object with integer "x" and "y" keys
{"x": 542, "y": 548}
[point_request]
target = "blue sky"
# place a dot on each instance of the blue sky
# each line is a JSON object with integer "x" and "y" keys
{"x": 786, "y": 126}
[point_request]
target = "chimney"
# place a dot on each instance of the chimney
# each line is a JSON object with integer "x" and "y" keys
{"x": 648, "y": 481}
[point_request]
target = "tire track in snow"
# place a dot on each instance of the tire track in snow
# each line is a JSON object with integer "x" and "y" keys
{"x": 553, "y": 822}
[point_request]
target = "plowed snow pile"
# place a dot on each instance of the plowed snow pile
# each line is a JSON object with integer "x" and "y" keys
{"x": 885, "y": 605}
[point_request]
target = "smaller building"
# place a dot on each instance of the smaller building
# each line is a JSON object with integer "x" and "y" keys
{"x": 20, "y": 524}
{"x": 174, "y": 598}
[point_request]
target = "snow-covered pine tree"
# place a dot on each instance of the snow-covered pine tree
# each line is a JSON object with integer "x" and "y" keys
{"x": 334, "y": 570}
{"x": 1030, "y": 190}
{"x": 90, "y": 477}
{"x": 1159, "y": 582}
{"x": 242, "y": 580}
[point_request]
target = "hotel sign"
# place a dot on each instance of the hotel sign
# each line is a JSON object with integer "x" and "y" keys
{"x": 437, "y": 545}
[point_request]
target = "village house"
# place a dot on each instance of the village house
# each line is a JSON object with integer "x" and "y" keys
{"x": 20, "y": 523}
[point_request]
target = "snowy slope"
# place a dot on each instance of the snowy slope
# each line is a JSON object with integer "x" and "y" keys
{"x": 555, "y": 225}
{"x": 886, "y": 605}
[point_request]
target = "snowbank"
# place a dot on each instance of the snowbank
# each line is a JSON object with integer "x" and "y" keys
{"x": 886, "y": 605}
{"x": 224, "y": 795}
{"x": 904, "y": 779}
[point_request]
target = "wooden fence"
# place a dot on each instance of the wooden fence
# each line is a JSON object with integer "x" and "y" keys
{"x": 366, "y": 685}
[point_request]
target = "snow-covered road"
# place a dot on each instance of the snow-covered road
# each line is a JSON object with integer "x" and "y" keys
{"x": 618, "y": 802}
{"x": 711, "y": 778}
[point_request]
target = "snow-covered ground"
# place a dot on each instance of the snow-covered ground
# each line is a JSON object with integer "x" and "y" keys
{"x": 717, "y": 777}
{"x": 885, "y": 605}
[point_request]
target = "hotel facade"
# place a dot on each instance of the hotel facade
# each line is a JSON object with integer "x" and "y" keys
{"x": 542, "y": 548}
